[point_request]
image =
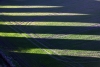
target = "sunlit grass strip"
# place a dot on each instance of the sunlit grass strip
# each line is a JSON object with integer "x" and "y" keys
{"x": 30, "y": 6}
{"x": 69, "y": 36}
{"x": 41, "y": 14}
{"x": 2, "y": 23}
{"x": 34, "y": 50}
{"x": 64, "y": 52}
{"x": 37, "y": 23}
{"x": 55, "y": 36}
{"x": 4, "y": 34}
{"x": 80, "y": 53}
{"x": 40, "y": 23}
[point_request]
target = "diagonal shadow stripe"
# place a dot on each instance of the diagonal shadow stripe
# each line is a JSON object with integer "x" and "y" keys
{"x": 71, "y": 44}
{"x": 91, "y": 30}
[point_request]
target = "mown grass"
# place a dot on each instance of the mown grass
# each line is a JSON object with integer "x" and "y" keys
{"x": 59, "y": 44}
{"x": 58, "y": 36}
{"x": 19, "y": 44}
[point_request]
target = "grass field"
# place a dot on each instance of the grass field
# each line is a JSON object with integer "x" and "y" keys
{"x": 51, "y": 33}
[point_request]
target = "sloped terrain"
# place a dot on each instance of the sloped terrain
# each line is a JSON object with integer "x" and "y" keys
{"x": 60, "y": 33}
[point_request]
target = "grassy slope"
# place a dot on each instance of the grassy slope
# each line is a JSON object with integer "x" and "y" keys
{"x": 80, "y": 42}
{"x": 26, "y": 50}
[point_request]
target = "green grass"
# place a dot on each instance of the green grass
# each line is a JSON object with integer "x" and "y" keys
{"x": 41, "y": 37}
{"x": 59, "y": 42}
{"x": 30, "y": 6}
{"x": 21, "y": 45}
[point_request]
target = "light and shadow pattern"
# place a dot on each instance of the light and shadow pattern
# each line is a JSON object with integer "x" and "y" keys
{"x": 60, "y": 33}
